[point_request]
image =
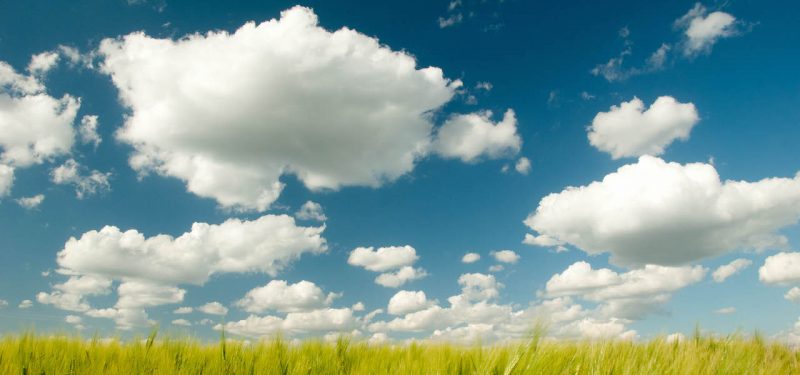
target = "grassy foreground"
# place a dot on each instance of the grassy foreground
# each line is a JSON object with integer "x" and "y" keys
{"x": 30, "y": 354}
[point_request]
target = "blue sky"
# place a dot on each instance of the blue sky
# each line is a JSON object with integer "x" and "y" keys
{"x": 660, "y": 142}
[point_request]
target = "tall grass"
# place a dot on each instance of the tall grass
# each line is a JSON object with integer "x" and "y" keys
{"x": 32, "y": 354}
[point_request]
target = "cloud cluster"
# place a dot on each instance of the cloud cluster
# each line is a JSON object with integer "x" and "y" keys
{"x": 655, "y": 212}
{"x": 278, "y": 295}
{"x": 150, "y": 269}
{"x": 85, "y": 182}
{"x": 395, "y": 264}
{"x": 228, "y": 113}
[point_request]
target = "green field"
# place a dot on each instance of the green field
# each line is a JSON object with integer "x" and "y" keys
{"x": 31, "y": 354}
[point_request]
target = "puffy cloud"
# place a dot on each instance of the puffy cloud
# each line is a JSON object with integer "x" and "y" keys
{"x": 138, "y": 294}
{"x": 478, "y": 286}
{"x": 70, "y": 295}
{"x": 400, "y": 277}
{"x": 281, "y": 296}
{"x": 496, "y": 268}
{"x": 727, "y": 270}
{"x": 34, "y": 127}
{"x": 793, "y": 295}
{"x": 470, "y": 258}
{"x": 630, "y": 130}
{"x": 88, "y": 130}
{"x": 311, "y": 211}
{"x": 3, "y": 303}
{"x": 384, "y": 258}
{"x": 404, "y": 302}
{"x": 523, "y": 165}
{"x": 267, "y": 244}
{"x": 25, "y": 304}
{"x": 781, "y": 269}
{"x": 183, "y": 310}
{"x": 628, "y": 295}
{"x": 213, "y": 308}
{"x": 125, "y": 319}
{"x": 471, "y": 136}
{"x": 42, "y": 63}
{"x": 6, "y": 179}
{"x": 86, "y": 184}
{"x": 182, "y": 322}
{"x": 73, "y": 319}
{"x": 151, "y": 268}
{"x": 505, "y": 256}
{"x": 654, "y": 212}
{"x": 358, "y": 306}
{"x": 315, "y": 321}
{"x": 228, "y": 113}
{"x": 31, "y": 202}
{"x": 702, "y": 29}
{"x": 395, "y": 263}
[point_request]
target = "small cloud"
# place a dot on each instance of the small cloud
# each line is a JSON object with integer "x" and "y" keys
{"x": 470, "y": 258}
{"x": 25, "y": 304}
{"x": 311, "y": 211}
{"x": 30, "y": 203}
{"x": 523, "y": 165}
{"x": 451, "y": 20}
{"x": 725, "y": 311}
{"x": 213, "y": 308}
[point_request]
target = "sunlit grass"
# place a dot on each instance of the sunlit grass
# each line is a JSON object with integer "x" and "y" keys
{"x": 32, "y": 354}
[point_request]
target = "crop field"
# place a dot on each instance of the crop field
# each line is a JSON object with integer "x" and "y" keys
{"x": 31, "y": 354}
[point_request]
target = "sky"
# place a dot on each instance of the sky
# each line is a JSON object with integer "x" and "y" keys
{"x": 452, "y": 171}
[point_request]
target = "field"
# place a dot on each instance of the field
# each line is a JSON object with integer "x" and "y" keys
{"x": 31, "y": 354}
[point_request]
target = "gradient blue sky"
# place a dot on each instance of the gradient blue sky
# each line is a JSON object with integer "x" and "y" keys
{"x": 539, "y": 59}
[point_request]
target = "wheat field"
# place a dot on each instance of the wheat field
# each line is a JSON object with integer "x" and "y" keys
{"x": 32, "y": 354}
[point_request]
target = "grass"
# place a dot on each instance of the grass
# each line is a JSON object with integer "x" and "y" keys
{"x": 31, "y": 354}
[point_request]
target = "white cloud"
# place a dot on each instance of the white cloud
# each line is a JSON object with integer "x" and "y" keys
{"x": 213, "y": 308}
{"x": 6, "y": 179}
{"x": 138, "y": 294}
{"x": 281, "y": 296}
{"x": 42, "y": 63}
{"x": 31, "y": 202}
{"x": 793, "y": 295}
{"x": 629, "y": 130}
{"x": 727, "y": 270}
{"x": 73, "y": 319}
{"x": 3, "y": 303}
{"x": 358, "y": 306}
{"x": 34, "y": 127}
{"x": 86, "y": 184}
{"x": 654, "y": 212}
{"x": 267, "y": 244}
{"x": 183, "y": 310}
{"x": 470, "y": 137}
{"x": 702, "y": 29}
{"x": 496, "y": 268}
{"x": 725, "y": 311}
{"x": 228, "y": 113}
{"x": 25, "y": 304}
{"x": 451, "y": 20}
{"x": 125, "y": 319}
{"x": 182, "y": 322}
{"x": 523, "y": 165}
{"x": 151, "y": 268}
{"x": 88, "y": 130}
{"x": 404, "y": 302}
{"x": 629, "y": 295}
{"x": 781, "y": 269}
{"x": 71, "y": 294}
{"x": 311, "y": 211}
{"x": 505, "y": 256}
{"x": 400, "y": 277}
{"x": 315, "y": 321}
{"x": 384, "y": 258}
{"x": 479, "y": 287}
{"x": 470, "y": 258}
